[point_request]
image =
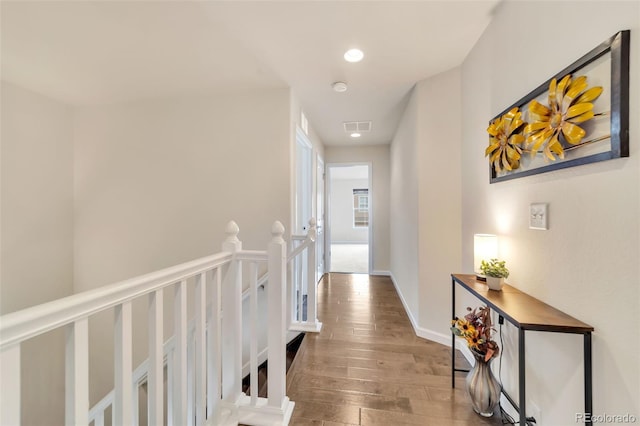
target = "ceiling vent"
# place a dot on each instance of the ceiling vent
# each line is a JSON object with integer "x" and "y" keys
{"x": 357, "y": 126}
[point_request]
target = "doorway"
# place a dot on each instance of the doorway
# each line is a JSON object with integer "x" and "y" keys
{"x": 349, "y": 202}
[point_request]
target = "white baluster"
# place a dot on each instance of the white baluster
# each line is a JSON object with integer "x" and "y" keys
{"x": 200, "y": 370}
{"x": 290, "y": 276}
{"x": 10, "y": 385}
{"x": 171, "y": 389}
{"x": 122, "y": 408}
{"x": 180, "y": 355}
{"x": 253, "y": 343}
{"x": 312, "y": 287}
{"x": 214, "y": 360}
{"x": 135, "y": 403}
{"x": 99, "y": 421}
{"x": 155, "y": 379}
{"x": 191, "y": 386}
{"x": 232, "y": 320}
{"x": 277, "y": 252}
{"x": 300, "y": 285}
{"x": 77, "y": 373}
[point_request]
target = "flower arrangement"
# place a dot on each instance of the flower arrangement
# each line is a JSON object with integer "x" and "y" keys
{"x": 476, "y": 328}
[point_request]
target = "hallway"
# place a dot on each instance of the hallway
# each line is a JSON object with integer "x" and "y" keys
{"x": 367, "y": 366}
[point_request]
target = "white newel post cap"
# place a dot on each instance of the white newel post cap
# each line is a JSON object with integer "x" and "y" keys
{"x": 313, "y": 231}
{"x": 277, "y": 232}
{"x": 232, "y": 231}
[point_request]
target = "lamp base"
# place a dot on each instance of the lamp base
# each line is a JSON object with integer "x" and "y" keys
{"x": 480, "y": 277}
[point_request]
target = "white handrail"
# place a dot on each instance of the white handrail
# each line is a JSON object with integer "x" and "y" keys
{"x": 27, "y": 323}
{"x": 73, "y": 312}
{"x": 302, "y": 247}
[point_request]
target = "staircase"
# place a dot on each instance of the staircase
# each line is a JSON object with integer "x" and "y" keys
{"x": 203, "y": 359}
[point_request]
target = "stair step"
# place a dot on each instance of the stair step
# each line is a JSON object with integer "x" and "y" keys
{"x": 292, "y": 350}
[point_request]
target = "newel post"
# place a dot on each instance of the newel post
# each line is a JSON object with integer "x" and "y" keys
{"x": 312, "y": 284}
{"x": 277, "y": 253}
{"x": 232, "y": 319}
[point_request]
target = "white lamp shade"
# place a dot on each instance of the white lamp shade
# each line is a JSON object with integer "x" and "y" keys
{"x": 485, "y": 247}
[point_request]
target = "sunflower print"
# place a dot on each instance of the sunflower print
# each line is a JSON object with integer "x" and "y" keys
{"x": 570, "y": 103}
{"x": 505, "y": 141}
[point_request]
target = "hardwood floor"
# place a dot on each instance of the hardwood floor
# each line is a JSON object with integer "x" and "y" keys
{"x": 367, "y": 366}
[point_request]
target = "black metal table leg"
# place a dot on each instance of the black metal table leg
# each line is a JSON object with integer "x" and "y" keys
{"x": 453, "y": 336}
{"x": 521, "y": 379}
{"x": 588, "y": 390}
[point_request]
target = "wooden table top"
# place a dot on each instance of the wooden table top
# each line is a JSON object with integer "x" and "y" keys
{"x": 520, "y": 309}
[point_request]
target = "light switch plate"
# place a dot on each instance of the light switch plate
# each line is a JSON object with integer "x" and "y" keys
{"x": 538, "y": 216}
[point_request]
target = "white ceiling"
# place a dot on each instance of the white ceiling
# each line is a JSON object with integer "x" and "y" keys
{"x": 90, "y": 52}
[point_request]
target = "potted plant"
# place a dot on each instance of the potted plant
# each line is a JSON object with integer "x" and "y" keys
{"x": 495, "y": 271}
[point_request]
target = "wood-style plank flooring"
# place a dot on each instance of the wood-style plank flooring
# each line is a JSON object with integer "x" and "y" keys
{"x": 367, "y": 366}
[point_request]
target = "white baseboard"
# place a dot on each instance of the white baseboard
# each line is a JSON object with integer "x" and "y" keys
{"x": 414, "y": 323}
{"x": 381, "y": 273}
{"x": 434, "y": 336}
{"x": 465, "y": 351}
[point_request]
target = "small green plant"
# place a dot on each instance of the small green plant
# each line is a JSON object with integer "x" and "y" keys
{"x": 494, "y": 268}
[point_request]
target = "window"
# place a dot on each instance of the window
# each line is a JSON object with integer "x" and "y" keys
{"x": 360, "y": 208}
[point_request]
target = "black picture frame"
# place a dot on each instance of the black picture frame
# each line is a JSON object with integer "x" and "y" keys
{"x": 617, "y": 47}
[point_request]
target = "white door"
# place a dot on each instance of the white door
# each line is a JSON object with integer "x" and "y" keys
{"x": 304, "y": 196}
{"x": 304, "y": 179}
{"x": 320, "y": 218}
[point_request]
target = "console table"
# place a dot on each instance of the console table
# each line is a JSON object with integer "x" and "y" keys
{"x": 525, "y": 313}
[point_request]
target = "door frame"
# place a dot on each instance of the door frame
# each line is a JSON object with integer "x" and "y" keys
{"x": 321, "y": 215}
{"x": 327, "y": 203}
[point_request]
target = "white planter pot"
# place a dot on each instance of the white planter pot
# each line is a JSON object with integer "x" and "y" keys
{"x": 495, "y": 283}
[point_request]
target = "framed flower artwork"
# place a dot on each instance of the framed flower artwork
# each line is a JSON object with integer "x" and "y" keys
{"x": 578, "y": 116}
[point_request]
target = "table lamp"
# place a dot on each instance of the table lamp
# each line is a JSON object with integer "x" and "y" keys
{"x": 485, "y": 247}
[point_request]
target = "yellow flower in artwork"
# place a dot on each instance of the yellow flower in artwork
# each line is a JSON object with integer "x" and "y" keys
{"x": 570, "y": 103}
{"x": 505, "y": 140}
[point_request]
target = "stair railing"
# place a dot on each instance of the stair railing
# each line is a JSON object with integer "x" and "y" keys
{"x": 205, "y": 377}
{"x": 303, "y": 287}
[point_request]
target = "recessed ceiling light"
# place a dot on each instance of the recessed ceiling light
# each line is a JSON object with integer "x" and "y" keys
{"x": 340, "y": 86}
{"x": 353, "y": 55}
{"x": 355, "y": 135}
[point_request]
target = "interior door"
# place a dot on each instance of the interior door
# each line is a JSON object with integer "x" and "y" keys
{"x": 304, "y": 196}
{"x": 304, "y": 179}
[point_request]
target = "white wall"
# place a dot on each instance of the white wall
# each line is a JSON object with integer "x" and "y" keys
{"x": 586, "y": 264}
{"x": 157, "y": 181}
{"x": 439, "y": 200}
{"x": 162, "y": 178}
{"x": 37, "y": 234}
{"x": 379, "y": 197}
{"x": 341, "y": 205}
{"x": 425, "y": 205}
{"x": 404, "y": 218}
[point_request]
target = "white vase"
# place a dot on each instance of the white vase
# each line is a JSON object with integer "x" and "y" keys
{"x": 495, "y": 283}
